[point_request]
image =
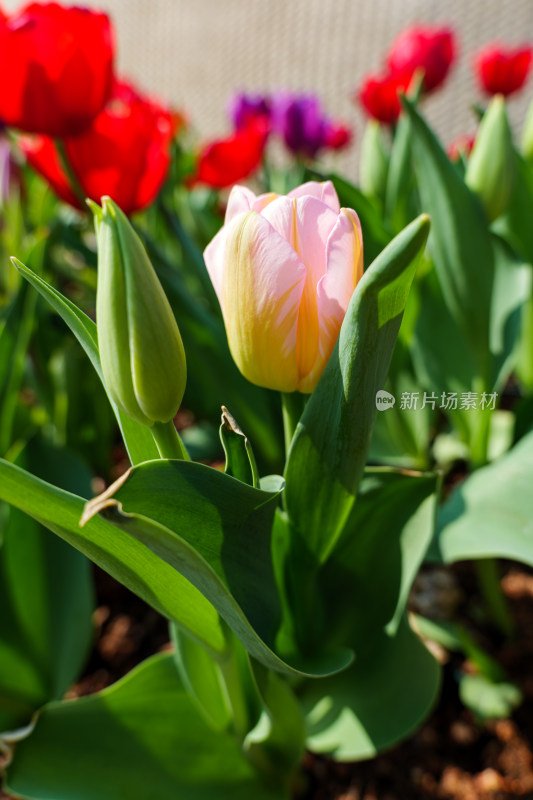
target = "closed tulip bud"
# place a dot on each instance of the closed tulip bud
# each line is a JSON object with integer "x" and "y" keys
{"x": 284, "y": 270}
{"x": 490, "y": 170}
{"x": 374, "y": 164}
{"x": 143, "y": 361}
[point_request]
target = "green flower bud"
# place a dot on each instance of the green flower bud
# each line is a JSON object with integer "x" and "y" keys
{"x": 374, "y": 164}
{"x": 490, "y": 170}
{"x": 142, "y": 355}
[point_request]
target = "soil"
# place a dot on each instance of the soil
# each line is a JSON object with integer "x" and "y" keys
{"x": 452, "y": 757}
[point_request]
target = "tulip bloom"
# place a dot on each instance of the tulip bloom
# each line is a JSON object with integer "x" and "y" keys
{"x": 244, "y": 108}
{"x": 423, "y": 48}
{"x": 501, "y": 70}
{"x": 284, "y": 270}
{"x": 223, "y": 162}
{"x": 461, "y": 146}
{"x": 124, "y": 154}
{"x": 60, "y": 66}
{"x": 379, "y": 96}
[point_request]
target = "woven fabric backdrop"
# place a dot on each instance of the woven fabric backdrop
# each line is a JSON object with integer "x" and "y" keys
{"x": 196, "y": 53}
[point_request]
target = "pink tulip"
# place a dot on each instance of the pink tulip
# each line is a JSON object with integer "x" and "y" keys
{"x": 284, "y": 269}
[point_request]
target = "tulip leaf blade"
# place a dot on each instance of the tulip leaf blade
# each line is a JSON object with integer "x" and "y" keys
{"x": 121, "y": 556}
{"x": 142, "y": 735}
{"x": 217, "y": 532}
{"x": 382, "y": 698}
{"x": 459, "y": 241}
{"x": 46, "y": 599}
{"x": 493, "y": 499}
{"x": 381, "y": 549}
{"x": 137, "y": 438}
{"x": 148, "y": 558}
{"x": 330, "y": 446}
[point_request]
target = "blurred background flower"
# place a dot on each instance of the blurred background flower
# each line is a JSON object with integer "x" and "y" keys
{"x": 502, "y": 70}
{"x": 125, "y": 153}
{"x": 60, "y": 66}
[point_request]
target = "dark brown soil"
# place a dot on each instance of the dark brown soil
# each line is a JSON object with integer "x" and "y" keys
{"x": 452, "y": 757}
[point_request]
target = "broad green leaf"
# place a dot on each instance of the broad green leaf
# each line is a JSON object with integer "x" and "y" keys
{"x": 138, "y": 439}
{"x": 330, "y": 446}
{"x": 200, "y": 675}
{"x": 401, "y": 434}
{"x": 382, "y": 698}
{"x": 489, "y": 699}
{"x": 120, "y": 555}
{"x": 400, "y": 181}
{"x": 46, "y": 601}
{"x": 142, "y": 737}
{"x": 511, "y": 293}
{"x": 379, "y": 554}
{"x": 240, "y": 460}
{"x": 217, "y": 532}
{"x": 277, "y": 742}
{"x": 235, "y": 694}
{"x": 146, "y": 555}
{"x": 515, "y": 225}
{"x": 491, "y": 513}
{"x": 459, "y": 241}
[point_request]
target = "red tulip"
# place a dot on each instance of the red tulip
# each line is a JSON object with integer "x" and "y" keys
{"x": 60, "y": 66}
{"x": 379, "y": 96}
{"x": 337, "y": 136}
{"x": 429, "y": 49}
{"x": 223, "y": 162}
{"x": 124, "y": 154}
{"x": 502, "y": 71}
{"x": 460, "y": 146}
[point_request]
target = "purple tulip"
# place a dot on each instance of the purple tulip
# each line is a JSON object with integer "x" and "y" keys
{"x": 300, "y": 121}
{"x": 247, "y": 107}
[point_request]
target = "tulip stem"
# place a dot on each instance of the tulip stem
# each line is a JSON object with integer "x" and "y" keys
{"x": 72, "y": 178}
{"x": 292, "y": 406}
{"x": 169, "y": 442}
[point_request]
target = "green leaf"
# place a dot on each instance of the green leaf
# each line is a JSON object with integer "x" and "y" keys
{"x": 512, "y": 290}
{"x": 46, "y": 599}
{"x": 459, "y": 241}
{"x": 490, "y": 514}
{"x": 142, "y": 737}
{"x": 401, "y": 435}
{"x": 330, "y": 446}
{"x": 240, "y": 460}
{"x": 138, "y": 439}
{"x": 489, "y": 699}
{"x": 120, "y": 555}
{"x": 379, "y": 554}
{"x": 382, "y": 698}
{"x": 217, "y": 532}
{"x": 146, "y": 555}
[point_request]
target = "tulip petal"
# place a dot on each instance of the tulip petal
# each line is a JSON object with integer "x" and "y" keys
{"x": 344, "y": 259}
{"x": 262, "y": 289}
{"x": 306, "y": 223}
{"x": 240, "y": 200}
{"x": 243, "y": 199}
{"x": 324, "y": 191}
{"x": 214, "y": 255}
